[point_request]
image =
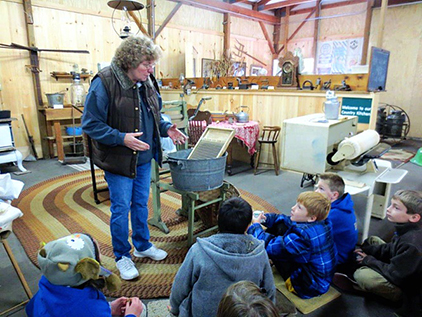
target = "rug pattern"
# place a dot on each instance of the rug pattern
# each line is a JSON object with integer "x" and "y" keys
{"x": 64, "y": 205}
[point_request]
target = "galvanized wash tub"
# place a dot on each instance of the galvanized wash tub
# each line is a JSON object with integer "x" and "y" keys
{"x": 196, "y": 175}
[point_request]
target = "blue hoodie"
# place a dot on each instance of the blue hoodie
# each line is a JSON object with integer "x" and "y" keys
{"x": 345, "y": 233}
{"x": 56, "y": 300}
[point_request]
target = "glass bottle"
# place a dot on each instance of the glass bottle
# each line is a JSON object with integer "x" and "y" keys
{"x": 77, "y": 91}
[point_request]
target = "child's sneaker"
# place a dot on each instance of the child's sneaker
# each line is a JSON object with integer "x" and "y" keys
{"x": 345, "y": 283}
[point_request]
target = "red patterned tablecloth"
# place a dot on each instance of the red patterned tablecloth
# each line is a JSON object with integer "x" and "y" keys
{"x": 248, "y": 133}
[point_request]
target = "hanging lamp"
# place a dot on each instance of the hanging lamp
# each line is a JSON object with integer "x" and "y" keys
{"x": 124, "y": 6}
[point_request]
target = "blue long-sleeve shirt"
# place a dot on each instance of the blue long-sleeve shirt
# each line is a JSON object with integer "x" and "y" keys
{"x": 345, "y": 232}
{"x": 309, "y": 246}
{"x": 94, "y": 122}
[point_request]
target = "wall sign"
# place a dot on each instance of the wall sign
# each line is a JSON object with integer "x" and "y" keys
{"x": 360, "y": 107}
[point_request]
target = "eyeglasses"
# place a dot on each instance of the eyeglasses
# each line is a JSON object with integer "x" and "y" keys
{"x": 148, "y": 65}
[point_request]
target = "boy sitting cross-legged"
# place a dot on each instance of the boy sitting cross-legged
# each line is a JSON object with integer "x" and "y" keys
{"x": 214, "y": 263}
{"x": 305, "y": 254}
{"x": 393, "y": 270}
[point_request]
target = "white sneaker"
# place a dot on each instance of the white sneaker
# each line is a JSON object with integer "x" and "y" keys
{"x": 127, "y": 268}
{"x": 152, "y": 253}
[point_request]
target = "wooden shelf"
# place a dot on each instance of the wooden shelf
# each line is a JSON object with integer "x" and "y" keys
{"x": 57, "y": 76}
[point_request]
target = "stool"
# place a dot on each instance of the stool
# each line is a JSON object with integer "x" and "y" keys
{"x": 269, "y": 135}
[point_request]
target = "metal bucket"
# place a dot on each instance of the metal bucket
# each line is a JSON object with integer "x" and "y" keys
{"x": 196, "y": 175}
{"x": 55, "y": 99}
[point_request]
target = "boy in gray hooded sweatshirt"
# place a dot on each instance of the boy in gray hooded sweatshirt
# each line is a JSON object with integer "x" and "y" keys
{"x": 214, "y": 263}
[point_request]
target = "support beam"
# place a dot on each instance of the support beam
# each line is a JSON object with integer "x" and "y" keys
{"x": 316, "y": 29}
{"x": 223, "y": 7}
{"x": 298, "y": 29}
{"x": 284, "y": 4}
{"x": 276, "y": 34}
{"x": 227, "y": 32}
{"x": 267, "y": 37}
{"x": 138, "y": 23}
{"x": 286, "y": 28}
{"x": 328, "y": 6}
{"x": 384, "y": 4}
{"x": 34, "y": 62}
{"x": 367, "y": 32}
{"x": 167, "y": 20}
{"x": 151, "y": 17}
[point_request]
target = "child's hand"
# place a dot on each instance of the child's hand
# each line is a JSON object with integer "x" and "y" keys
{"x": 134, "y": 306}
{"x": 258, "y": 217}
{"x": 118, "y": 306}
{"x": 360, "y": 255}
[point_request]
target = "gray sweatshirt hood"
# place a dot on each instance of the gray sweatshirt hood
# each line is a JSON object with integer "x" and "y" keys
{"x": 229, "y": 252}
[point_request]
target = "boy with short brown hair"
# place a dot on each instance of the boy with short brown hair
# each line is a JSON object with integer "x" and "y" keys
{"x": 305, "y": 254}
{"x": 342, "y": 215}
{"x": 394, "y": 270}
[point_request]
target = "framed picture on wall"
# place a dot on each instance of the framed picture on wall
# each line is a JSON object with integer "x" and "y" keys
{"x": 238, "y": 69}
{"x": 256, "y": 70}
{"x": 206, "y": 70}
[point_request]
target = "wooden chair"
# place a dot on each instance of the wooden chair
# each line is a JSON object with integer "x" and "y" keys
{"x": 197, "y": 125}
{"x": 269, "y": 135}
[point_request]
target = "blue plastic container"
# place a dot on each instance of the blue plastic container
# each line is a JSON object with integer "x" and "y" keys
{"x": 74, "y": 131}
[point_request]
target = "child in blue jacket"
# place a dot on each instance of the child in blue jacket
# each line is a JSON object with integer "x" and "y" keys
{"x": 305, "y": 255}
{"x": 72, "y": 276}
{"x": 342, "y": 215}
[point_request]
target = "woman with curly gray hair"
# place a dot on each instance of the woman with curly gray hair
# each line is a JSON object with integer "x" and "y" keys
{"x": 122, "y": 117}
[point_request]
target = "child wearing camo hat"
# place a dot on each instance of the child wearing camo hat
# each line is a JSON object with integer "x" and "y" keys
{"x": 72, "y": 277}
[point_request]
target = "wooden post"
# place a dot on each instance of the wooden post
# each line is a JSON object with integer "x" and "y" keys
{"x": 151, "y": 18}
{"x": 316, "y": 27}
{"x": 286, "y": 28}
{"x": 384, "y": 4}
{"x": 29, "y": 22}
{"x": 276, "y": 34}
{"x": 366, "y": 32}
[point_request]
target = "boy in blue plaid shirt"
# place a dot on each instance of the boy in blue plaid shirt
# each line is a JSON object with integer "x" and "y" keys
{"x": 305, "y": 255}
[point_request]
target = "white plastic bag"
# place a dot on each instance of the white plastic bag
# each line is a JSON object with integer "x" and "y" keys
{"x": 9, "y": 188}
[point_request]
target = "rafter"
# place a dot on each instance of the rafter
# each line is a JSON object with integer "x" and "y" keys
{"x": 283, "y": 4}
{"x": 235, "y": 10}
{"x": 297, "y": 29}
{"x": 167, "y": 20}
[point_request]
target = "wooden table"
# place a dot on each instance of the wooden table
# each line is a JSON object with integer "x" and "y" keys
{"x": 247, "y": 133}
{"x": 54, "y": 118}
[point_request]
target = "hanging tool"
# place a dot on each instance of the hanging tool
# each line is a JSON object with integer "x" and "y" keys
{"x": 31, "y": 141}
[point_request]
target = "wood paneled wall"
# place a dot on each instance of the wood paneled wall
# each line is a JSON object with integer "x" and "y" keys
{"x": 192, "y": 33}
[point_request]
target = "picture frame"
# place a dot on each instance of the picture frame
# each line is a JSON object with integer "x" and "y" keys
{"x": 206, "y": 70}
{"x": 238, "y": 69}
{"x": 255, "y": 70}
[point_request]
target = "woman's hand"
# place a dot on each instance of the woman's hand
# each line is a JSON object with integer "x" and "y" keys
{"x": 176, "y": 135}
{"x": 132, "y": 142}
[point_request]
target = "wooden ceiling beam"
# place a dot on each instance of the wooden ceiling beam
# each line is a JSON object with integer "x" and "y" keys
{"x": 328, "y": 6}
{"x": 283, "y": 4}
{"x": 267, "y": 37}
{"x": 167, "y": 20}
{"x": 235, "y": 10}
{"x": 298, "y": 29}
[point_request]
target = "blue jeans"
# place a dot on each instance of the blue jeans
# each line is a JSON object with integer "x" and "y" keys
{"x": 129, "y": 194}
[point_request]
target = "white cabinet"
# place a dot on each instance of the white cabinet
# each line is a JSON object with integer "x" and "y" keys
{"x": 307, "y": 141}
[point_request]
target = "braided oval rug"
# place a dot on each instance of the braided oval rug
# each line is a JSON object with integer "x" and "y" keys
{"x": 60, "y": 206}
